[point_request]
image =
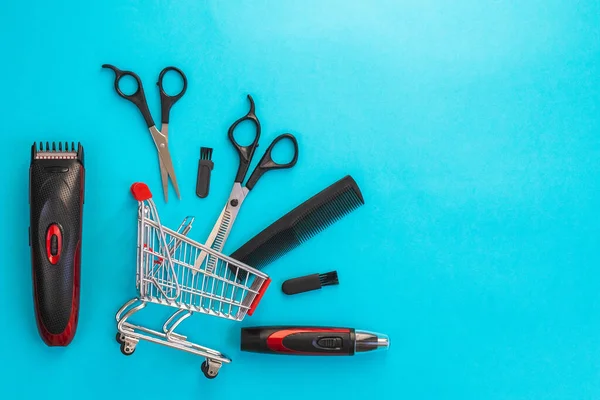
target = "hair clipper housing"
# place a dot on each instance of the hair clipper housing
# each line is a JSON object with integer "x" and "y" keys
{"x": 56, "y": 190}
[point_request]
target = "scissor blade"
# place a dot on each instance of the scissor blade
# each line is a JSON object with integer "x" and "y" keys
{"x": 217, "y": 236}
{"x": 164, "y": 178}
{"x": 220, "y": 232}
{"x": 166, "y": 165}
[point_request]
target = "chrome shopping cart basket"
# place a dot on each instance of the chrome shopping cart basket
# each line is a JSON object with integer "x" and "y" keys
{"x": 166, "y": 275}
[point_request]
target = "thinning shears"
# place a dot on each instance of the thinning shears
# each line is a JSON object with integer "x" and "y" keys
{"x": 218, "y": 236}
{"x": 160, "y": 137}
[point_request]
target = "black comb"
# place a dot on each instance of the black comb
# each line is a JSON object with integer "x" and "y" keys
{"x": 300, "y": 224}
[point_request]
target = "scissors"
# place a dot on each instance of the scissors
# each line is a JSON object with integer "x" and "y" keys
{"x": 161, "y": 138}
{"x": 218, "y": 236}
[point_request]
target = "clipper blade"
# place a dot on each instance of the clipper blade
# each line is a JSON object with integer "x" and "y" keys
{"x": 56, "y": 151}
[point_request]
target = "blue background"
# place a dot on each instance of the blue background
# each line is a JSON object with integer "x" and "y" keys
{"x": 472, "y": 128}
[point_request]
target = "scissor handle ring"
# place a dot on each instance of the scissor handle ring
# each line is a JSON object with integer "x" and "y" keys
{"x": 138, "y": 97}
{"x": 267, "y": 163}
{"x": 245, "y": 152}
{"x": 161, "y": 77}
{"x": 166, "y": 100}
{"x": 120, "y": 74}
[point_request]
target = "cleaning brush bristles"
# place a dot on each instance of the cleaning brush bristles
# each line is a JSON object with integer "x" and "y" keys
{"x": 206, "y": 153}
{"x": 329, "y": 278}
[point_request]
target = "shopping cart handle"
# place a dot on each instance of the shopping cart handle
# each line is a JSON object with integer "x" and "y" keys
{"x": 141, "y": 191}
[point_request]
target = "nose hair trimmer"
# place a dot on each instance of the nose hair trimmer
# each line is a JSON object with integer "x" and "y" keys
{"x": 309, "y": 340}
{"x": 56, "y": 189}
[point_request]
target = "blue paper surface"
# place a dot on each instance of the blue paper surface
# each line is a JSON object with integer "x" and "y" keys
{"x": 471, "y": 127}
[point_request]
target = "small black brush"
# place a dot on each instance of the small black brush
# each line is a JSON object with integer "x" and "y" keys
{"x": 205, "y": 166}
{"x": 310, "y": 282}
{"x": 300, "y": 224}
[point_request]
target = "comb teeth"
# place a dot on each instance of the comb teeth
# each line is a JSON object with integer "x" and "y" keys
{"x": 272, "y": 249}
{"x": 329, "y": 278}
{"x": 325, "y": 214}
{"x": 300, "y": 224}
{"x": 56, "y": 151}
{"x": 206, "y": 153}
{"x": 51, "y": 147}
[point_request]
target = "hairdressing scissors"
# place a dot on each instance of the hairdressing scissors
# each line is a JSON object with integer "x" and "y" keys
{"x": 160, "y": 137}
{"x": 222, "y": 228}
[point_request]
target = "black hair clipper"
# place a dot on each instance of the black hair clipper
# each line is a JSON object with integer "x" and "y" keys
{"x": 56, "y": 189}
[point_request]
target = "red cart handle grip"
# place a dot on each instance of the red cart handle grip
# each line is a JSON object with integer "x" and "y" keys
{"x": 141, "y": 191}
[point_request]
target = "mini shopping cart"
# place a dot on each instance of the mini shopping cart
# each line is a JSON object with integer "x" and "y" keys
{"x": 166, "y": 275}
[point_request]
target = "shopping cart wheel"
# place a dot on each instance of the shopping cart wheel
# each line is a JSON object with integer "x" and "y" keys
{"x": 127, "y": 349}
{"x": 210, "y": 368}
{"x": 120, "y": 338}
